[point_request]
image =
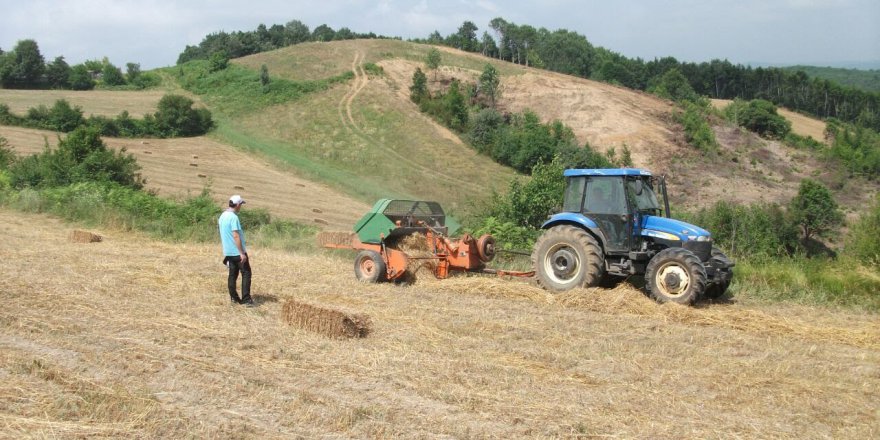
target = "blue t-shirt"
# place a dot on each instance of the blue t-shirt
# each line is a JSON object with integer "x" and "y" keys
{"x": 228, "y": 222}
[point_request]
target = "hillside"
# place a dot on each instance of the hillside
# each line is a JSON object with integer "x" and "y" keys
{"x": 178, "y": 168}
{"x": 364, "y": 138}
{"x": 138, "y": 340}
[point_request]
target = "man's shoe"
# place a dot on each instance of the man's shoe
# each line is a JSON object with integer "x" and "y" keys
{"x": 234, "y": 300}
{"x": 249, "y": 303}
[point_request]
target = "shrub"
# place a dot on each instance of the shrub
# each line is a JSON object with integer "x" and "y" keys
{"x": 696, "y": 127}
{"x": 863, "y": 241}
{"x": 758, "y": 230}
{"x": 176, "y": 117}
{"x": 758, "y": 116}
{"x": 814, "y": 209}
{"x": 80, "y": 157}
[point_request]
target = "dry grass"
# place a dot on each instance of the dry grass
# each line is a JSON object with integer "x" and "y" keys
{"x": 94, "y": 102}
{"x": 169, "y": 170}
{"x": 328, "y": 322}
{"x": 137, "y": 339}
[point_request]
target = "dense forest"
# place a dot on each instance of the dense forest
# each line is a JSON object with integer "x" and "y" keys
{"x": 868, "y": 80}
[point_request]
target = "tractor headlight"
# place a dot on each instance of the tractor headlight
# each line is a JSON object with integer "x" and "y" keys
{"x": 704, "y": 238}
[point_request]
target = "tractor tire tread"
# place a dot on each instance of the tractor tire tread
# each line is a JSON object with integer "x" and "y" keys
{"x": 594, "y": 261}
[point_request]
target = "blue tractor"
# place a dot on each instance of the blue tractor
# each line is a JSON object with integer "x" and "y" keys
{"x": 612, "y": 225}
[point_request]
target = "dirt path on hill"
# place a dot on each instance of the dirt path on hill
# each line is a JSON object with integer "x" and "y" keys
{"x": 348, "y": 121}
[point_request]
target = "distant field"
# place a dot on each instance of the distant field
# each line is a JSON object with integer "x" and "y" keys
{"x": 177, "y": 168}
{"x": 93, "y": 102}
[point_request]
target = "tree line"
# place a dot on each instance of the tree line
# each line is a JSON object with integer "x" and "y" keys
{"x": 568, "y": 52}
{"x": 24, "y": 67}
{"x": 242, "y": 43}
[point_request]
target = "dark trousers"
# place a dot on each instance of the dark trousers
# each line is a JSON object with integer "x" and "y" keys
{"x": 235, "y": 266}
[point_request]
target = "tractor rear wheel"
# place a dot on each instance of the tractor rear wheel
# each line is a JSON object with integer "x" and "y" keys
{"x": 369, "y": 267}
{"x": 566, "y": 257}
{"x": 675, "y": 275}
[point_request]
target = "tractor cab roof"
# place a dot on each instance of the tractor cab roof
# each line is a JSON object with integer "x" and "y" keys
{"x": 607, "y": 172}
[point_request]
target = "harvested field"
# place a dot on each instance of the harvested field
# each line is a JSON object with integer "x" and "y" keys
{"x": 169, "y": 169}
{"x": 138, "y": 340}
{"x": 93, "y": 102}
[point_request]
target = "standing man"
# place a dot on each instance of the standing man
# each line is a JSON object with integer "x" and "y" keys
{"x": 235, "y": 252}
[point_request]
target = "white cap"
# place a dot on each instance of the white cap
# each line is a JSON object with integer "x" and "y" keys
{"x": 236, "y": 200}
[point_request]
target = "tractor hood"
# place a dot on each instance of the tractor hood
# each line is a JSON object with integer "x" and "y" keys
{"x": 661, "y": 227}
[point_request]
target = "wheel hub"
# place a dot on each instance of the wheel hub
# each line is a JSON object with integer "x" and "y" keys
{"x": 673, "y": 280}
{"x": 564, "y": 263}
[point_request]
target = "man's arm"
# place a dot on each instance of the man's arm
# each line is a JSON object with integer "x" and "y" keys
{"x": 236, "y": 237}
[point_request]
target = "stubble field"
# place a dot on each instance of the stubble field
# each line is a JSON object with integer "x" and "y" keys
{"x": 134, "y": 337}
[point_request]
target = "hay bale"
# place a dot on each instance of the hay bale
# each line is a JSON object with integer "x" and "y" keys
{"x": 321, "y": 221}
{"x": 300, "y": 185}
{"x": 202, "y": 175}
{"x": 328, "y": 322}
{"x": 317, "y": 211}
{"x": 148, "y": 152}
{"x": 193, "y": 164}
{"x": 195, "y": 157}
{"x": 78, "y": 236}
{"x": 237, "y": 187}
{"x": 334, "y": 238}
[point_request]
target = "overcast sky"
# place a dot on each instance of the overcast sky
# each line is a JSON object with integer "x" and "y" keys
{"x": 154, "y": 32}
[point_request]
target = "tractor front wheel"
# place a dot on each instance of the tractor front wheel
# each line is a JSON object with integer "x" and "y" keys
{"x": 566, "y": 257}
{"x": 369, "y": 267}
{"x": 675, "y": 275}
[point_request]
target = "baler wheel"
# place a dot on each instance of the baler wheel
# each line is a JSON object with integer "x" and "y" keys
{"x": 369, "y": 267}
{"x": 486, "y": 248}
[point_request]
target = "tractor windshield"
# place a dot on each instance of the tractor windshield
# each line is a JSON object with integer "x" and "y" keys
{"x": 643, "y": 195}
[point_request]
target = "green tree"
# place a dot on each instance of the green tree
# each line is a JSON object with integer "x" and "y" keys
{"x": 23, "y": 66}
{"x": 433, "y": 60}
{"x": 419, "y": 88}
{"x": 64, "y": 118}
{"x": 323, "y": 33}
{"x": 7, "y": 155}
{"x": 112, "y": 75}
{"x": 58, "y": 74}
{"x": 490, "y": 83}
{"x": 264, "y": 76}
{"x": 814, "y": 210}
{"x": 81, "y": 78}
{"x": 673, "y": 85}
{"x": 175, "y": 116}
{"x": 295, "y": 32}
{"x": 759, "y": 116}
{"x": 218, "y": 61}
{"x": 132, "y": 72}
{"x": 467, "y": 37}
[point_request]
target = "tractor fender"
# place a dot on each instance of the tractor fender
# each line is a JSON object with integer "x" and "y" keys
{"x": 578, "y": 220}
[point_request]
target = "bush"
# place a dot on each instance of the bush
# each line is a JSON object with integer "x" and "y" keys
{"x": 863, "y": 241}
{"x": 81, "y": 157}
{"x": 758, "y": 116}
{"x": 757, "y": 230}
{"x": 696, "y": 127}
{"x": 176, "y": 117}
{"x": 814, "y": 210}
